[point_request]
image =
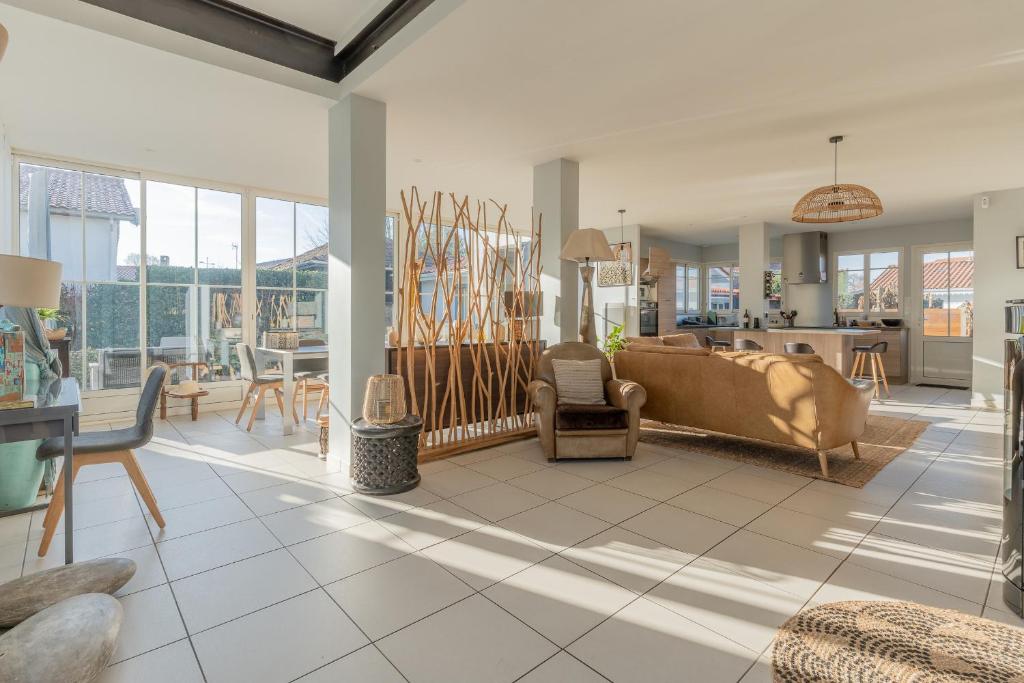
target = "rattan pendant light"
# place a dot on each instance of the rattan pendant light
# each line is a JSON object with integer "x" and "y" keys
{"x": 837, "y": 203}
{"x": 620, "y": 271}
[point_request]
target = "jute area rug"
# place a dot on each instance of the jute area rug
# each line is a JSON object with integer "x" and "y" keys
{"x": 884, "y": 438}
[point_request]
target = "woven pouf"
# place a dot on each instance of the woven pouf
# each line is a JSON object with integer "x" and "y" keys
{"x": 895, "y": 642}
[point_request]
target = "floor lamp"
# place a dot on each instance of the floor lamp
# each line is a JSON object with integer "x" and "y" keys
{"x": 583, "y": 246}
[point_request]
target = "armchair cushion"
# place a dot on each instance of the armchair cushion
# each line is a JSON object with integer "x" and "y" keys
{"x": 579, "y": 381}
{"x": 645, "y": 341}
{"x": 586, "y": 417}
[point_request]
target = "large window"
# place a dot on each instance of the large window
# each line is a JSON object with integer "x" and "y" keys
{"x": 723, "y": 287}
{"x": 291, "y": 268}
{"x": 193, "y": 278}
{"x": 947, "y": 293}
{"x": 687, "y": 289}
{"x": 773, "y": 286}
{"x": 89, "y": 222}
{"x": 868, "y": 282}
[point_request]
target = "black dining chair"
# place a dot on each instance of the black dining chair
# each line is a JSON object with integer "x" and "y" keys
{"x": 100, "y": 448}
{"x": 799, "y": 347}
{"x": 716, "y": 344}
{"x": 747, "y": 345}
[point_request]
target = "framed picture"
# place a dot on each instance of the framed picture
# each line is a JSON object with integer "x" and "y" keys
{"x": 1020, "y": 251}
{"x": 615, "y": 273}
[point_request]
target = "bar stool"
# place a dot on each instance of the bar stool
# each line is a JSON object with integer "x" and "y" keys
{"x": 875, "y": 352}
{"x": 716, "y": 344}
{"x": 747, "y": 345}
{"x": 799, "y": 347}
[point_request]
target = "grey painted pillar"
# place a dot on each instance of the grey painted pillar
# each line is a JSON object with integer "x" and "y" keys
{"x": 556, "y": 197}
{"x": 357, "y": 198}
{"x": 754, "y": 258}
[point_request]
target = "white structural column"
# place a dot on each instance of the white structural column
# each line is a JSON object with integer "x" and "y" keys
{"x": 998, "y": 219}
{"x": 556, "y": 197}
{"x": 754, "y": 260}
{"x": 357, "y": 198}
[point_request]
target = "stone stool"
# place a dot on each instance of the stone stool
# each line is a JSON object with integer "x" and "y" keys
{"x": 21, "y": 598}
{"x": 895, "y": 642}
{"x": 70, "y": 642}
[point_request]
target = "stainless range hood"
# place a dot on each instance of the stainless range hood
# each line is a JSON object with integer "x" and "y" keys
{"x": 805, "y": 258}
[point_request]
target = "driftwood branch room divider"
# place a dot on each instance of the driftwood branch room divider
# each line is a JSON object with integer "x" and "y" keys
{"x": 467, "y": 325}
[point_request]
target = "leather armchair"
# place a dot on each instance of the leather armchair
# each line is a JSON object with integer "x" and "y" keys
{"x": 586, "y": 431}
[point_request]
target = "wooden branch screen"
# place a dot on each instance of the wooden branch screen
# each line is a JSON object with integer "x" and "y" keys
{"x": 468, "y": 322}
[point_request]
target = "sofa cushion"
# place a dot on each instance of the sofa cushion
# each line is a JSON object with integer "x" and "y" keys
{"x": 585, "y": 417}
{"x": 669, "y": 350}
{"x": 645, "y": 341}
{"x": 686, "y": 340}
{"x": 579, "y": 381}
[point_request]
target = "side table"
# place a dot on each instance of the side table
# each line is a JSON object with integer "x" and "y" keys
{"x": 193, "y": 398}
{"x": 384, "y": 457}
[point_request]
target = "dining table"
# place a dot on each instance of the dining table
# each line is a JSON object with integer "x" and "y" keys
{"x": 55, "y": 413}
{"x": 286, "y": 359}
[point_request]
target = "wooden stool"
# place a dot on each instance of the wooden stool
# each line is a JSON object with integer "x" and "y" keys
{"x": 325, "y": 424}
{"x": 192, "y": 396}
{"x": 874, "y": 352}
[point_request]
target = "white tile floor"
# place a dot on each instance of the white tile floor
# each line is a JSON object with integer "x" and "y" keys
{"x": 500, "y": 567}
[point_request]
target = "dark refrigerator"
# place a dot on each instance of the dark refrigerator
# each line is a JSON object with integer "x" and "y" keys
{"x": 1013, "y": 491}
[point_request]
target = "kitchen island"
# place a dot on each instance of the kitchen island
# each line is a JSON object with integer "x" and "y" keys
{"x": 835, "y": 346}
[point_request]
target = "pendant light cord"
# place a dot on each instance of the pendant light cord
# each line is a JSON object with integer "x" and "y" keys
{"x": 835, "y": 164}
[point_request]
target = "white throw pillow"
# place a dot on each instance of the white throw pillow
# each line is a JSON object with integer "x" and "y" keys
{"x": 579, "y": 382}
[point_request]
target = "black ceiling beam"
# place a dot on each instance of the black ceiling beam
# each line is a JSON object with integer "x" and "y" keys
{"x": 239, "y": 28}
{"x": 381, "y": 28}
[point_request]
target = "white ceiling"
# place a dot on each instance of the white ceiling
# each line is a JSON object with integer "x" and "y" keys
{"x": 705, "y": 114}
{"x": 694, "y": 116}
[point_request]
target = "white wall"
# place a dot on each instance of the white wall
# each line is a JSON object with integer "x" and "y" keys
{"x": 996, "y": 279}
{"x": 677, "y": 251}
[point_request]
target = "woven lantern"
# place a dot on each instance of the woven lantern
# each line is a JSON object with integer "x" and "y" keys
{"x": 384, "y": 400}
{"x": 837, "y": 203}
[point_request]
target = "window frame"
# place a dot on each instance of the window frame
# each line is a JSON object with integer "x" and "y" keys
{"x": 686, "y": 265}
{"x": 865, "y": 254}
{"x": 247, "y": 246}
{"x": 706, "y": 285}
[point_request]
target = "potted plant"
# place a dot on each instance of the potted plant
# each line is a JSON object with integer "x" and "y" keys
{"x": 51, "y": 319}
{"x": 612, "y": 343}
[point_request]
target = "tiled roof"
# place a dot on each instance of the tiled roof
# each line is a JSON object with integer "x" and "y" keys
{"x": 961, "y": 274}
{"x": 318, "y": 255}
{"x": 105, "y": 196}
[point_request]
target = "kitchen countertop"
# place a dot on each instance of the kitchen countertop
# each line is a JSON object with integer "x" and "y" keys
{"x": 821, "y": 330}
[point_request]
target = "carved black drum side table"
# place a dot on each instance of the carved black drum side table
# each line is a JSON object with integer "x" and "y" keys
{"x": 384, "y": 456}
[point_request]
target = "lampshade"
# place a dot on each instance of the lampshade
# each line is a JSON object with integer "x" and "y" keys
{"x": 837, "y": 204}
{"x": 29, "y": 282}
{"x": 3, "y": 40}
{"x": 587, "y": 243}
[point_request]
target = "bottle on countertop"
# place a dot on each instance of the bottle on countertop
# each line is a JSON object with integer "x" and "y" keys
{"x": 746, "y": 318}
{"x": 835, "y": 317}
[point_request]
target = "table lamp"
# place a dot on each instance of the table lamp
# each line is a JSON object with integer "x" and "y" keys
{"x": 24, "y": 283}
{"x": 583, "y": 246}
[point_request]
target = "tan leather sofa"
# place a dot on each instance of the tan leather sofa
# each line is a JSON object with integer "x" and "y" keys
{"x": 785, "y": 399}
{"x": 586, "y": 431}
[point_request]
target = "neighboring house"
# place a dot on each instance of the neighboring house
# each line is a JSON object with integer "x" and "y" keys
{"x": 50, "y": 202}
